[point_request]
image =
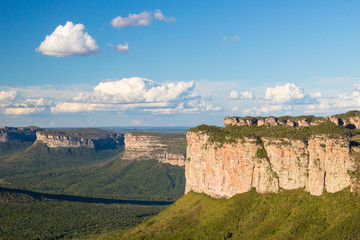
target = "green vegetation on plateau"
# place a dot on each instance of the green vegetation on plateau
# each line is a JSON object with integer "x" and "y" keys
{"x": 286, "y": 215}
{"x": 231, "y": 134}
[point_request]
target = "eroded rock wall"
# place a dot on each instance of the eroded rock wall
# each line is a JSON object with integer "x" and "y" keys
{"x": 151, "y": 146}
{"x": 318, "y": 164}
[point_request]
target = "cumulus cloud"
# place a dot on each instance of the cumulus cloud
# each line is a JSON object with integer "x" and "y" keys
{"x": 142, "y": 19}
{"x": 136, "y": 89}
{"x": 68, "y": 40}
{"x": 73, "y": 107}
{"x": 284, "y": 93}
{"x": 137, "y": 94}
{"x": 123, "y": 48}
{"x": 241, "y": 95}
{"x": 23, "y": 110}
{"x": 7, "y": 97}
{"x": 315, "y": 95}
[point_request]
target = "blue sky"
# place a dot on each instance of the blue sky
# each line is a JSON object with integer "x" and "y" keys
{"x": 175, "y": 63}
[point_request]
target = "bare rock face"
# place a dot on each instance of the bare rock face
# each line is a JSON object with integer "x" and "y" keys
{"x": 318, "y": 164}
{"x": 350, "y": 119}
{"x": 64, "y": 140}
{"x": 162, "y": 147}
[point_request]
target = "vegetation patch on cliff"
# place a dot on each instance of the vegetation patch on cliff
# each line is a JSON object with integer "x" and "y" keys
{"x": 231, "y": 134}
{"x": 286, "y": 215}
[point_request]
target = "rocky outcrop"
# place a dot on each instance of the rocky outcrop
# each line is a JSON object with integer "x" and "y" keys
{"x": 11, "y": 134}
{"x": 63, "y": 140}
{"x": 350, "y": 119}
{"x": 166, "y": 148}
{"x": 319, "y": 163}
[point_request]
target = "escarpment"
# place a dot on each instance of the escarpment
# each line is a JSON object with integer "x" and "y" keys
{"x": 166, "y": 148}
{"x": 23, "y": 134}
{"x": 90, "y": 138}
{"x": 223, "y": 162}
{"x": 350, "y": 119}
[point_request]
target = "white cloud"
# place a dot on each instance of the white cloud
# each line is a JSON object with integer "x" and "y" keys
{"x": 234, "y": 109}
{"x": 241, "y": 95}
{"x": 135, "y": 89}
{"x": 142, "y": 19}
{"x": 73, "y": 107}
{"x": 23, "y": 110}
{"x": 284, "y": 93}
{"x": 120, "y": 48}
{"x": 68, "y": 40}
{"x": 7, "y": 97}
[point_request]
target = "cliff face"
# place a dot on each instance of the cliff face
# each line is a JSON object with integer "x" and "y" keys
{"x": 11, "y": 134}
{"x": 319, "y": 163}
{"x": 105, "y": 142}
{"x": 350, "y": 119}
{"x": 165, "y": 148}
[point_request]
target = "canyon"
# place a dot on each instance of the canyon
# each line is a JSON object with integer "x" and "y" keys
{"x": 320, "y": 156}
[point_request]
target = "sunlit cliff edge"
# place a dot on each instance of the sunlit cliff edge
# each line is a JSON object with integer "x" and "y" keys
{"x": 274, "y": 154}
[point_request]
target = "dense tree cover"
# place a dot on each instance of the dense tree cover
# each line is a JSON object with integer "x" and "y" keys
{"x": 25, "y": 217}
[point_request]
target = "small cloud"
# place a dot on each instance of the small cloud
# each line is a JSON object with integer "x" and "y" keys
{"x": 235, "y": 39}
{"x": 241, "y": 95}
{"x": 234, "y": 109}
{"x": 284, "y": 93}
{"x": 23, "y": 110}
{"x": 68, "y": 40}
{"x": 142, "y": 19}
{"x": 120, "y": 48}
{"x": 158, "y": 15}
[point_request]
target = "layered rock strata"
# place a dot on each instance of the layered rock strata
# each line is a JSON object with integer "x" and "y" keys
{"x": 54, "y": 141}
{"x": 162, "y": 147}
{"x": 269, "y": 165}
{"x": 350, "y": 120}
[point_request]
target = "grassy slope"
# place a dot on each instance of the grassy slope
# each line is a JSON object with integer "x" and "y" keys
{"x": 26, "y": 217}
{"x": 286, "y": 215}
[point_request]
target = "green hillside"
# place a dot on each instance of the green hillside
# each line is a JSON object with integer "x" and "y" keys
{"x": 286, "y": 215}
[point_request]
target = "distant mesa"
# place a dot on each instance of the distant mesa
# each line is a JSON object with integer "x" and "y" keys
{"x": 80, "y": 137}
{"x": 23, "y": 134}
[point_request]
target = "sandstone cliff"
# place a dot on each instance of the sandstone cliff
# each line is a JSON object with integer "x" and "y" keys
{"x": 11, "y": 134}
{"x": 224, "y": 162}
{"x": 166, "y": 148}
{"x": 350, "y": 119}
{"x": 90, "y": 138}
